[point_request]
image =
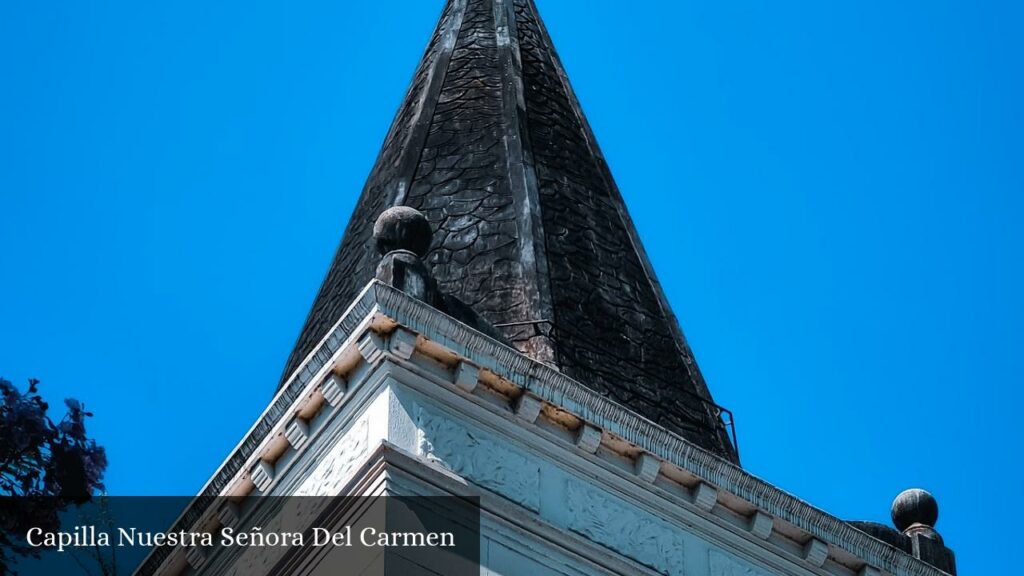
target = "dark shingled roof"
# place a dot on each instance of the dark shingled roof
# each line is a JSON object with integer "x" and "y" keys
{"x": 529, "y": 227}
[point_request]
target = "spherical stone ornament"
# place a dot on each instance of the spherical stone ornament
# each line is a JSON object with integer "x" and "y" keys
{"x": 914, "y": 506}
{"x": 402, "y": 228}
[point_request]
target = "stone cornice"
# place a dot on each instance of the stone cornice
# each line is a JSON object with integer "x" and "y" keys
{"x": 555, "y": 388}
{"x": 380, "y": 310}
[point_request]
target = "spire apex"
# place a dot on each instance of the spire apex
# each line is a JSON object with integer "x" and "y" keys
{"x": 528, "y": 227}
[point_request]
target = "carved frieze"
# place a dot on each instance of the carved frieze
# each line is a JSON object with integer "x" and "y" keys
{"x": 335, "y": 468}
{"x": 479, "y": 458}
{"x": 627, "y": 530}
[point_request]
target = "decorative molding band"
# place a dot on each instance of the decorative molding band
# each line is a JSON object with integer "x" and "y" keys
{"x": 557, "y": 388}
{"x": 552, "y": 386}
{"x": 379, "y": 302}
{"x": 352, "y": 322}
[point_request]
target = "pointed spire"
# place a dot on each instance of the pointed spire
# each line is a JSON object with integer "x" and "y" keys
{"x": 528, "y": 225}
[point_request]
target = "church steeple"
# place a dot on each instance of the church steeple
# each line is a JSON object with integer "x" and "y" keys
{"x": 530, "y": 231}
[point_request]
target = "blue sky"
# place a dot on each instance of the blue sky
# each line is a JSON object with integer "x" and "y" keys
{"x": 831, "y": 194}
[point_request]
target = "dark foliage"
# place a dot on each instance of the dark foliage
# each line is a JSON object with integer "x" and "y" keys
{"x": 44, "y": 466}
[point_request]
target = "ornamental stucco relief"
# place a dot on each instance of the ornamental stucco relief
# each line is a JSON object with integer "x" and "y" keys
{"x": 624, "y": 529}
{"x": 479, "y": 458}
{"x": 336, "y": 467}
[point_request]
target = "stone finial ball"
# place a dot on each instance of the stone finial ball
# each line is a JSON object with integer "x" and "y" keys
{"x": 914, "y": 506}
{"x": 402, "y": 228}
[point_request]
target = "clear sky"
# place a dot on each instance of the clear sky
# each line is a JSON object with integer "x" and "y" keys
{"x": 831, "y": 194}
